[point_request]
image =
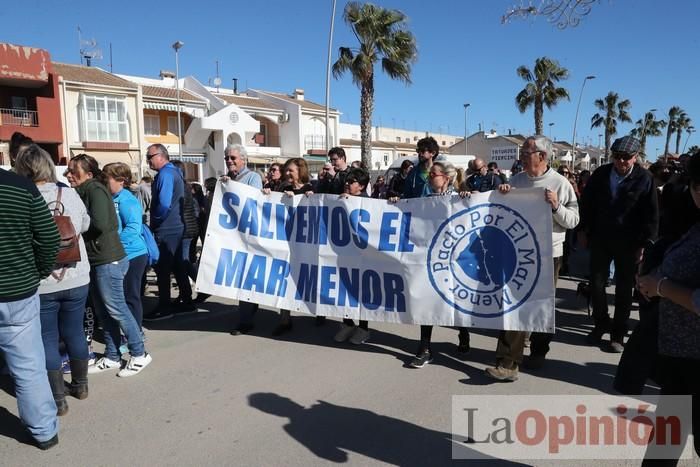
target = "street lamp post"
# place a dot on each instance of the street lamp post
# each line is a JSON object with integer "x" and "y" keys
{"x": 177, "y": 46}
{"x": 573, "y": 140}
{"x": 690, "y": 130}
{"x": 466, "y": 106}
{"x": 328, "y": 80}
{"x": 550, "y": 129}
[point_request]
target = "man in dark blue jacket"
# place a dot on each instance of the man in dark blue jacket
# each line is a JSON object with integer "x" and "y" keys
{"x": 619, "y": 219}
{"x": 168, "y": 227}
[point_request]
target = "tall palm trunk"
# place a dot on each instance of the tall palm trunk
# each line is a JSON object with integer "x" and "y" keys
{"x": 679, "y": 135}
{"x": 608, "y": 137}
{"x": 669, "y": 132}
{"x": 643, "y": 144}
{"x": 366, "y": 109}
{"x": 539, "y": 112}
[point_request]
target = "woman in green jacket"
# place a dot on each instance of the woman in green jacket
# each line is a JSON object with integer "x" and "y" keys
{"x": 109, "y": 265}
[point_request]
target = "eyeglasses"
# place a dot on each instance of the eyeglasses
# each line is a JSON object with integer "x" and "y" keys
{"x": 274, "y": 169}
{"x": 151, "y": 156}
{"x": 622, "y": 155}
{"x": 229, "y": 158}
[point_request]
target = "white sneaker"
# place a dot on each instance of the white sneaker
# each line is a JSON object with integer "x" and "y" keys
{"x": 135, "y": 365}
{"x": 103, "y": 364}
{"x": 344, "y": 333}
{"x": 360, "y": 336}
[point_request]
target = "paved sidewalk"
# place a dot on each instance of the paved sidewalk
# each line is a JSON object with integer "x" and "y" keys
{"x": 210, "y": 398}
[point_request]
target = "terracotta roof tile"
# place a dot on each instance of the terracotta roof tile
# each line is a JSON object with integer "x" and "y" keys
{"x": 90, "y": 75}
{"x": 305, "y": 103}
{"x": 170, "y": 93}
{"x": 246, "y": 101}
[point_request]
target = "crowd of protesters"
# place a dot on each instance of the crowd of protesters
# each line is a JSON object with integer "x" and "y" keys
{"x": 642, "y": 222}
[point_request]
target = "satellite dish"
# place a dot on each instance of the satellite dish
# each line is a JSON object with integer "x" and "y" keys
{"x": 217, "y": 81}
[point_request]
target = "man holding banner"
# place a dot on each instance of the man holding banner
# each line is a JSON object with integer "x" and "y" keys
{"x": 235, "y": 157}
{"x": 559, "y": 194}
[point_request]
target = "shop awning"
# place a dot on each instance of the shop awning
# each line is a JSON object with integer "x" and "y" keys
{"x": 195, "y": 112}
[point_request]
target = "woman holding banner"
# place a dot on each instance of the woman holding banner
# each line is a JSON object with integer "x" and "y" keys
{"x": 441, "y": 176}
{"x": 295, "y": 182}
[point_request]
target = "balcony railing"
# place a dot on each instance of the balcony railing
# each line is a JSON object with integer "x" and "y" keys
{"x": 315, "y": 142}
{"x": 19, "y": 117}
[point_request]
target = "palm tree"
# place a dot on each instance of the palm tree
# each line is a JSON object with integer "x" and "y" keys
{"x": 541, "y": 88}
{"x": 611, "y": 110}
{"x": 673, "y": 114}
{"x": 382, "y": 35}
{"x": 683, "y": 122}
{"x": 647, "y": 126}
{"x": 693, "y": 149}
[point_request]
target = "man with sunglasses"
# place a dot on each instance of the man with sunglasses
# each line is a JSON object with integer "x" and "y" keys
{"x": 619, "y": 219}
{"x": 168, "y": 226}
{"x": 236, "y": 159}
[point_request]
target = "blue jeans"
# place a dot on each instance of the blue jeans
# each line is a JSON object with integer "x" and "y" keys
{"x": 170, "y": 262}
{"x": 62, "y": 315}
{"x": 132, "y": 286}
{"x": 20, "y": 340}
{"x": 107, "y": 292}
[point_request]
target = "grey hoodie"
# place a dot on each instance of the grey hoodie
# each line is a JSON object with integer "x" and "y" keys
{"x": 78, "y": 274}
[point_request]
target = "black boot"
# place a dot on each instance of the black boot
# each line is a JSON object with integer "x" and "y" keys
{"x": 58, "y": 390}
{"x": 79, "y": 383}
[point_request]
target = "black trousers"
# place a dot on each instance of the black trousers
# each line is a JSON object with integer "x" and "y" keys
{"x": 426, "y": 335}
{"x": 680, "y": 376}
{"x": 603, "y": 252}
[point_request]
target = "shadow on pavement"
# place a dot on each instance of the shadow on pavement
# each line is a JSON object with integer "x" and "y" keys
{"x": 11, "y": 427}
{"x": 331, "y": 431}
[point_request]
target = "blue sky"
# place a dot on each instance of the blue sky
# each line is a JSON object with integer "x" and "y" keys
{"x": 645, "y": 50}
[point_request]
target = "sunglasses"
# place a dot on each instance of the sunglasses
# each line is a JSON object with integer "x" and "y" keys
{"x": 229, "y": 158}
{"x": 151, "y": 156}
{"x": 623, "y": 156}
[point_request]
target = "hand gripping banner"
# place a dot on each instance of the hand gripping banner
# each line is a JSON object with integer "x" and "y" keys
{"x": 483, "y": 261}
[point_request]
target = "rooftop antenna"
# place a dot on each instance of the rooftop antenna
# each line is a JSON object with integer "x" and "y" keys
{"x": 88, "y": 49}
{"x": 217, "y": 80}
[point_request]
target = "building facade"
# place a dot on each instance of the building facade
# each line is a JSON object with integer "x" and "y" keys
{"x": 29, "y": 99}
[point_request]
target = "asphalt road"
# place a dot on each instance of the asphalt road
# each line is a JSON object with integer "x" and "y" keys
{"x": 210, "y": 398}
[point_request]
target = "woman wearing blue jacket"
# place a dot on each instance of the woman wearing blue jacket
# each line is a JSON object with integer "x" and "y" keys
{"x": 130, "y": 215}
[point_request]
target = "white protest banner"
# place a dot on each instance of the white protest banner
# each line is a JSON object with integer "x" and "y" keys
{"x": 484, "y": 261}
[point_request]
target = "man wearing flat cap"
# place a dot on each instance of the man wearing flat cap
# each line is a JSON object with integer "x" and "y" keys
{"x": 619, "y": 219}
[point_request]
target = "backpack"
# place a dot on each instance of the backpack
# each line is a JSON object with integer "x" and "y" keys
{"x": 69, "y": 246}
{"x": 151, "y": 245}
{"x": 189, "y": 213}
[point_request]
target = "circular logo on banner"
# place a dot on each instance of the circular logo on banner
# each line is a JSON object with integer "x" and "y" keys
{"x": 485, "y": 260}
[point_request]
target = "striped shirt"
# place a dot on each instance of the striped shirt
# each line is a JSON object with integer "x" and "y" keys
{"x": 28, "y": 238}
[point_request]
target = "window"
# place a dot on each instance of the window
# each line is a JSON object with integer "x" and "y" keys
{"x": 19, "y": 103}
{"x": 104, "y": 118}
{"x": 172, "y": 125}
{"x": 151, "y": 124}
{"x": 408, "y": 140}
{"x": 443, "y": 143}
{"x": 398, "y": 139}
{"x": 386, "y": 158}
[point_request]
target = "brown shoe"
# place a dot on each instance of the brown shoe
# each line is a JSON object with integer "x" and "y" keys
{"x": 503, "y": 374}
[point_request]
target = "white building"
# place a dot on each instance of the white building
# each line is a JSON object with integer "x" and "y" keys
{"x": 388, "y": 144}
